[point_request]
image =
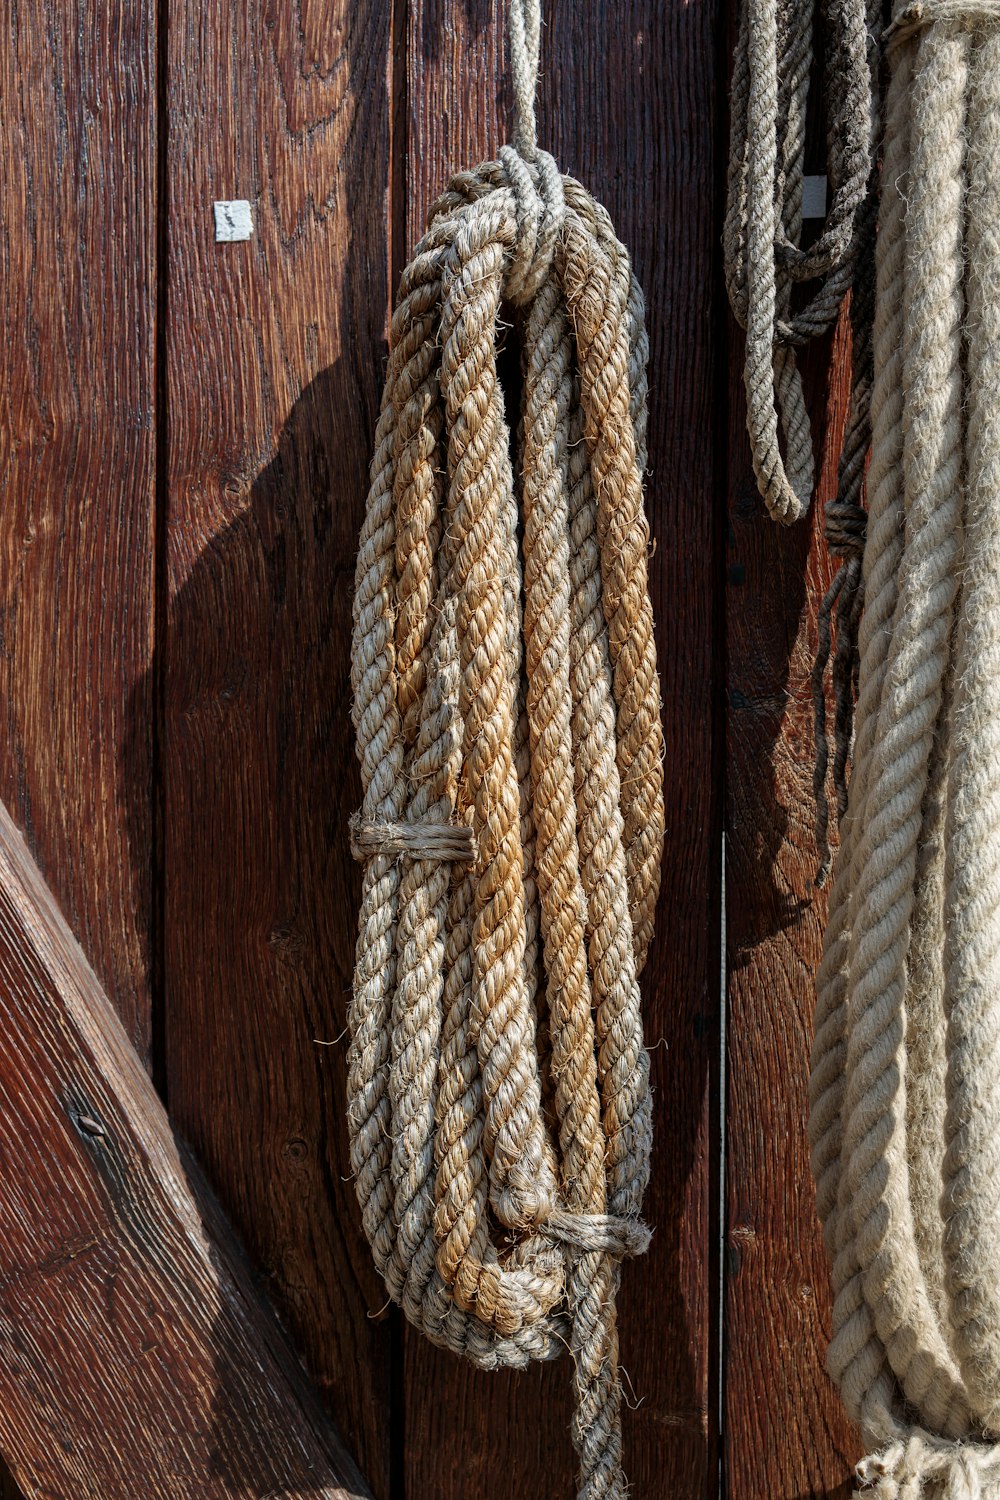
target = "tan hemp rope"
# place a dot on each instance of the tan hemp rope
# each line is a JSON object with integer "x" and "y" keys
{"x": 506, "y": 706}
{"x": 905, "y": 1118}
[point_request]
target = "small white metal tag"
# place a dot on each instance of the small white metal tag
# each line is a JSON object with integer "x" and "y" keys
{"x": 814, "y": 197}
{"x": 234, "y": 220}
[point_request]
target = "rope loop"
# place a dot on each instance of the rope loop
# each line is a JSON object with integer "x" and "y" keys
{"x": 918, "y": 1465}
{"x": 765, "y": 258}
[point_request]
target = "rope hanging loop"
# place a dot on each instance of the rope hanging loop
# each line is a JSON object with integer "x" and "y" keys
{"x": 766, "y": 261}
{"x": 507, "y": 712}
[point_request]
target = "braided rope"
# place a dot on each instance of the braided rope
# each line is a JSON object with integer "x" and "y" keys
{"x": 905, "y": 1091}
{"x": 512, "y": 826}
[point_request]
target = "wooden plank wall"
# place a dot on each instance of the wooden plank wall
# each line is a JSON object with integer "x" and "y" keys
{"x": 184, "y": 438}
{"x": 784, "y": 1432}
{"x": 274, "y": 353}
{"x": 78, "y": 238}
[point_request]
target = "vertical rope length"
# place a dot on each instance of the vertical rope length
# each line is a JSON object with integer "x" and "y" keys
{"x": 507, "y": 713}
{"x": 905, "y": 1118}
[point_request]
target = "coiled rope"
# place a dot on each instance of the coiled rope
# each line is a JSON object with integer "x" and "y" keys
{"x": 769, "y": 273}
{"x": 905, "y": 1119}
{"x": 512, "y": 826}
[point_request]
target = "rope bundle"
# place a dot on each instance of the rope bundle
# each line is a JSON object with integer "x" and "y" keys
{"x": 769, "y": 271}
{"x": 906, "y": 1065}
{"x": 512, "y": 826}
{"x": 765, "y": 260}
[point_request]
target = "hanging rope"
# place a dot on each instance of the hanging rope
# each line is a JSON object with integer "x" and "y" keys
{"x": 767, "y": 272}
{"x": 509, "y": 736}
{"x": 764, "y": 257}
{"x": 906, "y": 1084}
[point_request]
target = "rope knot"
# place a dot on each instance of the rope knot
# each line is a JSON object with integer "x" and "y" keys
{"x": 424, "y": 838}
{"x": 844, "y": 525}
{"x": 540, "y": 211}
{"x": 606, "y": 1234}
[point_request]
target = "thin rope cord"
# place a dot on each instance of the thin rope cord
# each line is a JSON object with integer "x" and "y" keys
{"x": 905, "y": 1089}
{"x": 764, "y": 257}
{"x": 507, "y": 713}
{"x": 767, "y": 266}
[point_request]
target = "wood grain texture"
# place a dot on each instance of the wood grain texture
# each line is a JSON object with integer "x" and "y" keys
{"x": 77, "y": 265}
{"x": 608, "y": 109}
{"x": 275, "y": 354}
{"x": 785, "y": 1433}
{"x": 77, "y": 453}
{"x": 137, "y": 1357}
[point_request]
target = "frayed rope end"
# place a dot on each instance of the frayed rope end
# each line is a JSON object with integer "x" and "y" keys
{"x": 924, "y": 1467}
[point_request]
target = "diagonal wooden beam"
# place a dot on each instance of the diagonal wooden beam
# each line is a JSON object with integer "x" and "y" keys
{"x": 135, "y": 1357}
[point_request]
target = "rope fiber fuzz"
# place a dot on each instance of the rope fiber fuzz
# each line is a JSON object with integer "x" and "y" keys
{"x": 507, "y": 712}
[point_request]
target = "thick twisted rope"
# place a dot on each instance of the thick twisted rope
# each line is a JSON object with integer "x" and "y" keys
{"x": 507, "y": 714}
{"x": 905, "y": 1117}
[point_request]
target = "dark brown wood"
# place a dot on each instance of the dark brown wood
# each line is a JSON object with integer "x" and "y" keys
{"x": 137, "y": 1357}
{"x": 77, "y": 264}
{"x": 78, "y": 210}
{"x": 275, "y": 353}
{"x": 607, "y": 109}
{"x": 786, "y": 1434}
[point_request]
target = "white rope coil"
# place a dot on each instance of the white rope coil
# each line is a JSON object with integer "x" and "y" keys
{"x": 905, "y": 1118}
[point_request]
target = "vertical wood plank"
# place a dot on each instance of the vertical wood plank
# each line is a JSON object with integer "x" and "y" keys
{"x": 627, "y": 104}
{"x": 275, "y": 358}
{"x": 77, "y": 471}
{"x": 785, "y": 1432}
{"x": 77, "y": 459}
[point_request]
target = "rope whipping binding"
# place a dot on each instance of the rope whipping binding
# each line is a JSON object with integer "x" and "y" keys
{"x": 784, "y": 293}
{"x": 905, "y": 1093}
{"x": 507, "y": 713}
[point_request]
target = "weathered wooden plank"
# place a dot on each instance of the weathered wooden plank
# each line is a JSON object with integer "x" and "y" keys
{"x": 785, "y": 1433}
{"x": 136, "y": 1356}
{"x": 627, "y": 104}
{"x": 77, "y": 265}
{"x": 77, "y": 457}
{"x": 275, "y": 353}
